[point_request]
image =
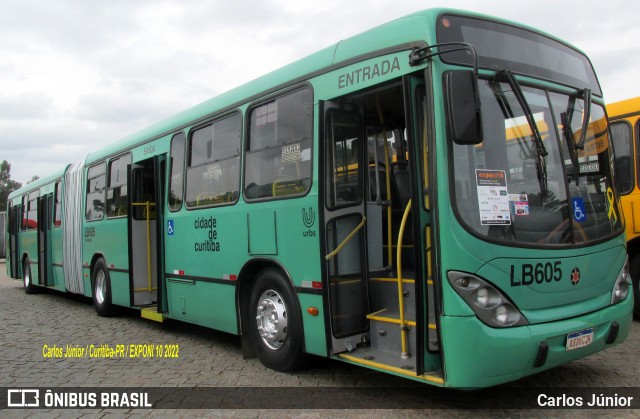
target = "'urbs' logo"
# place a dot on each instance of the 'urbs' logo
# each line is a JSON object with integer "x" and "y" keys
{"x": 308, "y": 218}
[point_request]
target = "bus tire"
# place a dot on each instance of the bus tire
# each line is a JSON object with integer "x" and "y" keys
{"x": 275, "y": 324}
{"x": 27, "y": 279}
{"x": 634, "y": 270}
{"x": 101, "y": 289}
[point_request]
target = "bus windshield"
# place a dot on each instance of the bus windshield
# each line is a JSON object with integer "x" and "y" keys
{"x": 512, "y": 188}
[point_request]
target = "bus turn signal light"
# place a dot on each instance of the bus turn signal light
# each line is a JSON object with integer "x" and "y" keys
{"x": 312, "y": 310}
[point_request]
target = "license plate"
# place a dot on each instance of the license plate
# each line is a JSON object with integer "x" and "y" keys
{"x": 579, "y": 339}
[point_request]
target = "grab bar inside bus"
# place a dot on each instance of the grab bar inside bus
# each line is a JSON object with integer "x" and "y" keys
{"x": 346, "y": 240}
{"x": 403, "y": 325}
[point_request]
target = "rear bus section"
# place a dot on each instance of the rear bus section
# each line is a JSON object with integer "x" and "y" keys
{"x": 34, "y": 233}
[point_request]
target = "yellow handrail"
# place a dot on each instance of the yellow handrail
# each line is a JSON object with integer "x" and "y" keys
{"x": 349, "y": 237}
{"x": 403, "y": 323}
{"x": 387, "y": 181}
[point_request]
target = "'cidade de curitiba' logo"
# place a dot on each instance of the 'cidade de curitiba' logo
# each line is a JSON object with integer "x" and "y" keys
{"x": 308, "y": 219}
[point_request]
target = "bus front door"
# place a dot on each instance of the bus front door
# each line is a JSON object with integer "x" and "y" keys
{"x": 345, "y": 220}
{"x": 381, "y": 300}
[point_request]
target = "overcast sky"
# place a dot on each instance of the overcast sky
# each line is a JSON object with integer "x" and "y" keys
{"x": 78, "y": 74}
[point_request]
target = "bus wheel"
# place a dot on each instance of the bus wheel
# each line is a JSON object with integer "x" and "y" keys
{"x": 275, "y": 323}
{"x": 102, "y": 289}
{"x": 27, "y": 279}
{"x": 634, "y": 270}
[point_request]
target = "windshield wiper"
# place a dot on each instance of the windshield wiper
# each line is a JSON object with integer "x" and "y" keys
{"x": 541, "y": 151}
{"x": 586, "y": 95}
{"x": 517, "y": 91}
{"x": 565, "y": 120}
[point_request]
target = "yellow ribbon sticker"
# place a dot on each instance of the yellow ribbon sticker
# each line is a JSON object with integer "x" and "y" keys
{"x": 612, "y": 210}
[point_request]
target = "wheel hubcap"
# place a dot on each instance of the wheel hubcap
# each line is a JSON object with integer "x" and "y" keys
{"x": 271, "y": 319}
{"x": 100, "y": 284}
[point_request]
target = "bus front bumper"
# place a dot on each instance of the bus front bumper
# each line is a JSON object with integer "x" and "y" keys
{"x": 477, "y": 355}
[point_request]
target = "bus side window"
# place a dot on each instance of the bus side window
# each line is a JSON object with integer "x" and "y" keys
{"x": 94, "y": 203}
{"x": 32, "y": 212}
{"x": 213, "y": 176}
{"x": 278, "y": 158}
{"x": 23, "y": 224}
{"x": 176, "y": 184}
{"x": 57, "y": 208}
{"x": 117, "y": 196}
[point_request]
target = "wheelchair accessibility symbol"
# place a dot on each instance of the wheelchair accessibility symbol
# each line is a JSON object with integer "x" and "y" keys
{"x": 170, "y": 230}
{"x": 579, "y": 210}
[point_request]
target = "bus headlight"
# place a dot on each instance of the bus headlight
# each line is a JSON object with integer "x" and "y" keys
{"x": 486, "y": 301}
{"x": 487, "y": 297}
{"x": 621, "y": 287}
{"x": 501, "y": 315}
{"x": 506, "y": 315}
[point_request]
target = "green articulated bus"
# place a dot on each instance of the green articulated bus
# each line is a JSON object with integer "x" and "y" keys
{"x": 432, "y": 198}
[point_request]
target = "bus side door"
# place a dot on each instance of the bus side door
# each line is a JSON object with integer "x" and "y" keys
{"x": 344, "y": 215}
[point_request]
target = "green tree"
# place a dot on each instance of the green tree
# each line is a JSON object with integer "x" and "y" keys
{"x": 7, "y": 185}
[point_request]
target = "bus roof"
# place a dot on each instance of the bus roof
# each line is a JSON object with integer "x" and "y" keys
{"x": 403, "y": 33}
{"x": 37, "y": 184}
{"x": 624, "y": 108}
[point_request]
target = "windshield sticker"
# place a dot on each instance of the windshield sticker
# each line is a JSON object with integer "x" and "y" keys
{"x": 291, "y": 153}
{"x": 493, "y": 199}
{"x": 519, "y": 204}
{"x": 579, "y": 210}
{"x": 590, "y": 167}
{"x": 612, "y": 209}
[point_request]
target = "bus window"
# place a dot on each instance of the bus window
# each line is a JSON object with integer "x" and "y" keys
{"x": 278, "y": 161}
{"x": 177, "y": 167}
{"x": 23, "y": 224}
{"x": 344, "y": 185}
{"x": 214, "y": 163}
{"x": 95, "y": 192}
{"x": 57, "y": 210}
{"x": 32, "y": 212}
{"x": 117, "y": 198}
{"x": 623, "y": 162}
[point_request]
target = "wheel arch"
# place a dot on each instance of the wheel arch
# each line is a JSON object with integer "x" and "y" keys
{"x": 246, "y": 279}
{"x": 94, "y": 261}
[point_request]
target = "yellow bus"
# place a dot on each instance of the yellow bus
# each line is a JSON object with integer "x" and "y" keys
{"x": 624, "y": 117}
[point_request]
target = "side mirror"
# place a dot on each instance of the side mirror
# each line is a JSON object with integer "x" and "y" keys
{"x": 463, "y": 110}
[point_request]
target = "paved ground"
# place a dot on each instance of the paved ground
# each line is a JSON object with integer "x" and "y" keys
{"x": 32, "y": 327}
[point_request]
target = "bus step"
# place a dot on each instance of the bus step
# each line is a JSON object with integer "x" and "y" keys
{"x": 373, "y": 358}
{"x": 151, "y": 313}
